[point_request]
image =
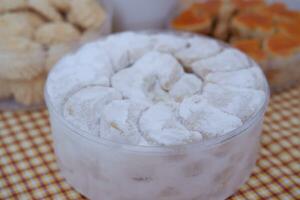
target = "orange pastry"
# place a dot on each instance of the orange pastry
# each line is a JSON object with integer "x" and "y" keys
{"x": 212, "y": 7}
{"x": 284, "y": 61}
{"x": 280, "y": 45}
{"x": 252, "y": 47}
{"x": 280, "y": 12}
{"x": 246, "y": 5}
{"x": 252, "y": 25}
{"x": 291, "y": 29}
{"x": 190, "y": 20}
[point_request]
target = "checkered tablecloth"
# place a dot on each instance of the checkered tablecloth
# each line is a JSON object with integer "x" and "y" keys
{"x": 28, "y": 167}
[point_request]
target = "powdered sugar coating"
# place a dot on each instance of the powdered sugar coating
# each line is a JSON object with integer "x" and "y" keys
{"x": 228, "y": 60}
{"x": 83, "y": 109}
{"x": 155, "y": 101}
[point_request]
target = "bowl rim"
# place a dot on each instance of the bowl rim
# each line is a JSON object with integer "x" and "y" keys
{"x": 203, "y": 144}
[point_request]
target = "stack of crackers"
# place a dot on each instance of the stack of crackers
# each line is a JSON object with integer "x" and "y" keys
{"x": 34, "y": 35}
{"x": 269, "y": 33}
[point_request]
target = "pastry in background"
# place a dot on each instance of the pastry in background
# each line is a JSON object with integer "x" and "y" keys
{"x": 57, "y": 32}
{"x": 12, "y": 5}
{"x": 284, "y": 63}
{"x": 252, "y": 25}
{"x": 29, "y": 92}
{"x": 191, "y": 20}
{"x": 34, "y": 36}
{"x": 21, "y": 58}
{"x": 253, "y": 48}
{"x": 267, "y": 32}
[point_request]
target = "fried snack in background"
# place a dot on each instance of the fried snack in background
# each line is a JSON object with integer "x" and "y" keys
{"x": 29, "y": 92}
{"x": 34, "y": 35}
{"x": 87, "y": 14}
{"x": 21, "y": 58}
{"x": 46, "y": 9}
{"x": 12, "y": 5}
{"x": 269, "y": 33}
{"x": 21, "y": 23}
{"x": 56, "y": 32}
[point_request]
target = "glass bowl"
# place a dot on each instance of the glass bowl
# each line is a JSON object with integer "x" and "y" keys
{"x": 211, "y": 169}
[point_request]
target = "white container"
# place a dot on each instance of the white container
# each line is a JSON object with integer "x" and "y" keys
{"x": 142, "y": 14}
{"x": 212, "y": 169}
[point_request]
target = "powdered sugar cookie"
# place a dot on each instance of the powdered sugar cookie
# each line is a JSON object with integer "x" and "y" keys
{"x": 20, "y": 58}
{"x": 57, "y": 32}
{"x": 29, "y": 92}
{"x": 84, "y": 107}
{"x": 86, "y": 13}
{"x": 12, "y": 5}
{"x": 19, "y": 24}
{"x": 245, "y": 78}
{"x": 239, "y": 102}
{"x": 44, "y": 8}
{"x": 159, "y": 125}
{"x": 196, "y": 51}
{"x": 199, "y": 116}
{"x": 79, "y": 70}
{"x": 227, "y": 60}
{"x": 149, "y": 77}
{"x": 55, "y": 53}
{"x": 119, "y": 121}
{"x": 186, "y": 86}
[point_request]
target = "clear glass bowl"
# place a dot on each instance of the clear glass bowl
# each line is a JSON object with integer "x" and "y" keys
{"x": 211, "y": 169}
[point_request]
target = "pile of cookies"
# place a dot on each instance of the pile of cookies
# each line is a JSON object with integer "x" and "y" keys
{"x": 269, "y": 33}
{"x": 34, "y": 35}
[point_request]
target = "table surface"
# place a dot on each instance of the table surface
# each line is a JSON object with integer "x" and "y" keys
{"x": 28, "y": 168}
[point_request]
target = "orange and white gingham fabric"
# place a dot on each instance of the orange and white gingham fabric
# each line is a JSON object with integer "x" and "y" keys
{"x": 28, "y": 167}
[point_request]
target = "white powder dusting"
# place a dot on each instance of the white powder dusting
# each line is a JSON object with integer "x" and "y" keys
{"x": 240, "y": 102}
{"x": 198, "y": 48}
{"x": 245, "y": 78}
{"x": 160, "y": 125}
{"x": 199, "y": 116}
{"x": 131, "y": 88}
{"x": 83, "y": 109}
{"x": 187, "y": 86}
{"x": 152, "y": 74}
{"x": 119, "y": 121}
{"x": 228, "y": 60}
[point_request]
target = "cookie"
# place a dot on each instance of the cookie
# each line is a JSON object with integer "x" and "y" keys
{"x": 199, "y": 22}
{"x": 253, "y": 48}
{"x": 29, "y": 92}
{"x": 12, "y": 5}
{"x": 44, "y": 8}
{"x": 252, "y": 25}
{"x": 19, "y": 24}
{"x": 61, "y": 5}
{"x": 87, "y": 14}
{"x": 21, "y": 58}
{"x": 56, "y": 32}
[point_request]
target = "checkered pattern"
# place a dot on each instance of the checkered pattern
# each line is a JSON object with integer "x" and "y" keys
{"x": 28, "y": 168}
